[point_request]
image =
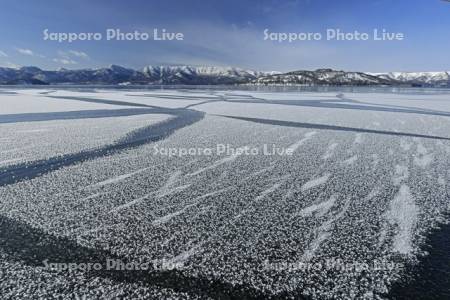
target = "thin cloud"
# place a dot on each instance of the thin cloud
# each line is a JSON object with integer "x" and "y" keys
{"x": 29, "y": 52}
{"x": 25, "y": 51}
{"x": 73, "y": 53}
{"x": 10, "y": 65}
{"x": 65, "y": 61}
{"x": 3, "y": 54}
{"x": 80, "y": 54}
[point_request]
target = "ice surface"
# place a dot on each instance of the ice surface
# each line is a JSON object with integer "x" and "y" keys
{"x": 233, "y": 221}
{"x": 33, "y": 102}
{"x": 31, "y": 141}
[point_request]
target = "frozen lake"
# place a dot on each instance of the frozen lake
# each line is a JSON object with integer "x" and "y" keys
{"x": 224, "y": 193}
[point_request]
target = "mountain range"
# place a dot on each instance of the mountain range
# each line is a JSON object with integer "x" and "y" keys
{"x": 194, "y": 75}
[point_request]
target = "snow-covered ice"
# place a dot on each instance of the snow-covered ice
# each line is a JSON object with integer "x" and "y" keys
{"x": 367, "y": 181}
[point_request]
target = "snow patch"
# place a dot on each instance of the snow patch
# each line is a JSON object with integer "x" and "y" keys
{"x": 358, "y": 138}
{"x": 423, "y": 161}
{"x": 316, "y": 182}
{"x": 405, "y": 145}
{"x": 351, "y": 160}
{"x": 319, "y": 209}
{"x": 268, "y": 191}
{"x": 403, "y": 212}
{"x": 117, "y": 178}
{"x": 323, "y": 233}
{"x": 168, "y": 217}
{"x": 330, "y": 151}
{"x": 184, "y": 256}
{"x": 11, "y": 161}
{"x": 423, "y": 157}
{"x": 220, "y": 162}
{"x": 401, "y": 174}
{"x": 296, "y": 145}
{"x": 131, "y": 203}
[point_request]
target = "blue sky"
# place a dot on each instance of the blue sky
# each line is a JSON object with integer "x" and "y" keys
{"x": 228, "y": 33}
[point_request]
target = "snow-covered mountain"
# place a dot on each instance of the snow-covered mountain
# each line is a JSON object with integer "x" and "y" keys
{"x": 120, "y": 75}
{"x": 198, "y": 75}
{"x": 418, "y": 78}
{"x": 211, "y": 75}
{"x": 32, "y": 75}
{"x": 333, "y": 77}
{"x": 321, "y": 77}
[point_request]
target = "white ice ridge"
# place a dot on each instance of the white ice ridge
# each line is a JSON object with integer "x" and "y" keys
{"x": 268, "y": 191}
{"x": 330, "y": 151}
{"x": 423, "y": 158}
{"x": 184, "y": 256}
{"x": 117, "y": 178}
{"x": 316, "y": 182}
{"x": 173, "y": 190}
{"x": 171, "y": 181}
{"x": 358, "y": 138}
{"x": 322, "y": 235}
{"x": 405, "y": 145}
{"x": 163, "y": 191}
{"x": 319, "y": 209}
{"x": 167, "y": 189}
{"x": 296, "y": 145}
{"x": 401, "y": 174}
{"x": 351, "y": 160}
{"x": 11, "y": 160}
{"x": 168, "y": 217}
{"x": 91, "y": 196}
{"x": 323, "y": 232}
{"x": 34, "y": 130}
{"x": 131, "y": 203}
{"x": 262, "y": 195}
{"x": 220, "y": 162}
{"x": 403, "y": 212}
{"x": 16, "y": 149}
{"x": 259, "y": 172}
